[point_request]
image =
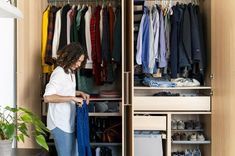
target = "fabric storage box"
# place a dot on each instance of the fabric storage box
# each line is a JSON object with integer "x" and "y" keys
{"x": 149, "y": 103}
{"x": 149, "y": 122}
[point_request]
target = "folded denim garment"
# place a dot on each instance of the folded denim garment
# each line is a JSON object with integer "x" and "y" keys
{"x": 151, "y": 82}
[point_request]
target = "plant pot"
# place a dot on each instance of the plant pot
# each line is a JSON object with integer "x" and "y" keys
{"x": 5, "y": 147}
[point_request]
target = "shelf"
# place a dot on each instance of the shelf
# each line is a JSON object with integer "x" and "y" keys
{"x": 187, "y": 130}
{"x": 171, "y": 88}
{"x": 105, "y": 144}
{"x": 192, "y": 142}
{"x": 169, "y": 112}
{"x": 105, "y": 99}
{"x": 105, "y": 114}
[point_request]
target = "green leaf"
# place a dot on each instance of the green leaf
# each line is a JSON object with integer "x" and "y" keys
{"x": 23, "y": 129}
{"x": 38, "y": 129}
{"x": 8, "y": 130}
{"x": 21, "y": 136}
{"x": 11, "y": 109}
{"x": 42, "y": 142}
{"x": 26, "y": 118}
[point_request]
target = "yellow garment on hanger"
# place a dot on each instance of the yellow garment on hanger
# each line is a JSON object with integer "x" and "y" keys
{"x": 45, "y": 67}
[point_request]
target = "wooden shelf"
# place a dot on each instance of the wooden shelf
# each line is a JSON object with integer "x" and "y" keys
{"x": 105, "y": 144}
{"x": 105, "y": 114}
{"x": 187, "y": 130}
{"x": 192, "y": 142}
{"x": 105, "y": 99}
{"x": 168, "y": 112}
{"x": 171, "y": 88}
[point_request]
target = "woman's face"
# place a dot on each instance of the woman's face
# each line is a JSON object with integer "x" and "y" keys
{"x": 77, "y": 64}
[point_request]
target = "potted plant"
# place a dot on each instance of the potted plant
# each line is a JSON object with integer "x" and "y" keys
{"x": 14, "y": 124}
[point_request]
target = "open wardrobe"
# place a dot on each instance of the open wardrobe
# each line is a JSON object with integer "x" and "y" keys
{"x": 160, "y": 73}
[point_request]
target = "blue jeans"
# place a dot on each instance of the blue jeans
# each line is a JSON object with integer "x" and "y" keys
{"x": 83, "y": 137}
{"x": 65, "y": 143}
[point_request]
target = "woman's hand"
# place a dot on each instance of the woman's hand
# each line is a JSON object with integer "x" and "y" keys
{"x": 78, "y": 101}
{"x": 84, "y": 96}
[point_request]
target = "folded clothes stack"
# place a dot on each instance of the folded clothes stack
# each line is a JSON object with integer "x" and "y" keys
{"x": 154, "y": 82}
{"x": 109, "y": 94}
{"x": 185, "y": 82}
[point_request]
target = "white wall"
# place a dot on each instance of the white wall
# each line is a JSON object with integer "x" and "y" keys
{"x": 7, "y": 62}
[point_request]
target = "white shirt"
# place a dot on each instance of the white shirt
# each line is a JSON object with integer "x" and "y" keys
{"x": 88, "y": 37}
{"x": 56, "y": 37}
{"x": 61, "y": 115}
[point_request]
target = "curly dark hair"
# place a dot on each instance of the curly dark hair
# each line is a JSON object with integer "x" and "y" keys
{"x": 69, "y": 55}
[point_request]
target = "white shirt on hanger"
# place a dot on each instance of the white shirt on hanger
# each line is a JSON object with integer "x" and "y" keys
{"x": 56, "y": 37}
{"x": 61, "y": 115}
{"x": 88, "y": 36}
{"x": 101, "y": 23}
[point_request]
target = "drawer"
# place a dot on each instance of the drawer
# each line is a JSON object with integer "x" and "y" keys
{"x": 149, "y": 103}
{"x": 149, "y": 123}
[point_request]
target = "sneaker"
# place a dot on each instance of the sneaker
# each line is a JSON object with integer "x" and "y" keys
{"x": 197, "y": 125}
{"x": 193, "y": 137}
{"x": 181, "y": 154}
{"x": 189, "y": 124}
{"x": 188, "y": 152}
{"x": 176, "y": 137}
{"x": 180, "y": 125}
{"x": 200, "y": 137}
{"x": 174, "y": 154}
{"x": 173, "y": 124}
{"x": 183, "y": 137}
{"x": 196, "y": 152}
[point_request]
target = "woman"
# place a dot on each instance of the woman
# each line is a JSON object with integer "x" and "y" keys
{"x": 62, "y": 97}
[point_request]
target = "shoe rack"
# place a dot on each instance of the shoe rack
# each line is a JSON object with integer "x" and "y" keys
{"x": 105, "y": 124}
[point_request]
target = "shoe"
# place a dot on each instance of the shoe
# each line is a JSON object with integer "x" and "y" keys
{"x": 183, "y": 137}
{"x": 174, "y": 154}
{"x": 197, "y": 125}
{"x": 180, "y": 125}
{"x": 188, "y": 152}
{"x": 196, "y": 152}
{"x": 181, "y": 154}
{"x": 193, "y": 137}
{"x": 173, "y": 124}
{"x": 200, "y": 137}
{"x": 189, "y": 124}
{"x": 176, "y": 137}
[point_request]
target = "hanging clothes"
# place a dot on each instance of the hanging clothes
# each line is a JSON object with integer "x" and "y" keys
{"x": 56, "y": 37}
{"x": 96, "y": 46}
{"x": 162, "y": 42}
{"x": 117, "y": 44}
{"x": 78, "y": 24}
{"x": 74, "y": 32}
{"x": 45, "y": 18}
{"x": 52, "y": 14}
{"x": 178, "y": 41}
{"x": 88, "y": 37}
{"x": 63, "y": 31}
{"x": 81, "y": 30}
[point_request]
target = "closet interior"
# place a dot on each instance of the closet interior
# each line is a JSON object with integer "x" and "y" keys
{"x": 98, "y": 26}
{"x": 171, "y": 77}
